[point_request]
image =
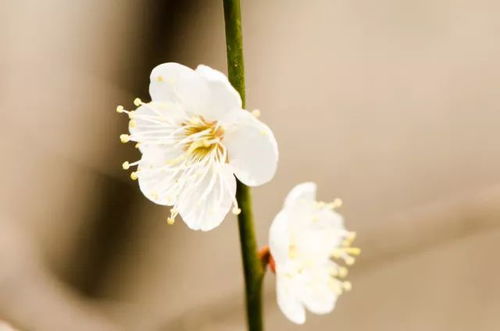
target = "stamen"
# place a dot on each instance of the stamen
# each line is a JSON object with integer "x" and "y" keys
{"x": 336, "y": 286}
{"x": 171, "y": 218}
{"x": 353, "y": 250}
{"x": 133, "y": 175}
{"x": 138, "y": 102}
{"x": 343, "y": 253}
{"x": 201, "y": 154}
{"x": 236, "y": 210}
{"x": 132, "y": 124}
{"x": 347, "y": 286}
{"x": 342, "y": 272}
{"x": 349, "y": 239}
{"x": 334, "y": 204}
{"x": 120, "y": 109}
{"x": 124, "y": 138}
{"x": 159, "y": 79}
{"x": 349, "y": 260}
{"x": 126, "y": 165}
{"x": 337, "y": 203}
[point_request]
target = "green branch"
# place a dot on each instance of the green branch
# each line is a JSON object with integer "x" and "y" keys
{"x": 252, "y": 265}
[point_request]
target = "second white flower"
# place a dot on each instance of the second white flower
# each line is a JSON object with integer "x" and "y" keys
{"x": 309, "y": 244}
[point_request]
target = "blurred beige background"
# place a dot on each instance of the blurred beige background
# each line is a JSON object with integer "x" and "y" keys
{"x": 391, "y": 105}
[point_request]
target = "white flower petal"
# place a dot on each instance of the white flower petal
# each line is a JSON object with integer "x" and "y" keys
{"x": 223, "y": 98}
{"x": 320, "y": 231}
{"x": 204, "y": 206}
{"x": 174, "y": 82}
{"x": 253, "y": 150}
{"x": 151, "y": 127}
{"x": 158, "y": 114}
{"x": 155, "y": 187}
{"x": 288, "y": 300}
{"x": 318, "y": 296}
{"x": 301, "y": 192}
{"x": 156, "y": 183}
{"x": 279, "y": 237}
{"x": 152, "y": 122}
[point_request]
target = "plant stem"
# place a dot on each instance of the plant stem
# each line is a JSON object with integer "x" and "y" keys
{"x": 252, "y": 265}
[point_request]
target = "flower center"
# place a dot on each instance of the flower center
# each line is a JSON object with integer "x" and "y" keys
{"x": 203, "y": 138}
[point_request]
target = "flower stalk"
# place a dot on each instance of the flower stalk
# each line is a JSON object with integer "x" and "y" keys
{"x": 252, "y": 264}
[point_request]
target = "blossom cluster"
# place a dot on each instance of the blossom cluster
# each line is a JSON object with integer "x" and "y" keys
{"x": 195, "y": 139}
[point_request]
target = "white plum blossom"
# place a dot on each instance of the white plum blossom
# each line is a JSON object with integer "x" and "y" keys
{"x": 195, "y": 138}
{"x": 309, "y": 245}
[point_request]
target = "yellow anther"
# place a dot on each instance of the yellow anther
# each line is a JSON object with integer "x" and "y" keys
{"x": 159, "y": 79}
{"x": 137, "y": 145}
{"x": 125, "y": 165}
{"x": 342, "y": 272}
{"x": 337, "y": 203}
{"x": 256, "y": 113}
{"x": 349, "y": 239}
{"x": 132, "y": 124}
{"x": 236, "y": 210}
{"x": 120, "y": 109}
{"x": 353, "y": 250}
{"x": 347, "y": 286}
{"x": 124, "y": 138}
{"x": 137, "y": 102}
{"x": 335, "y": 286}
{"x": 173, "y": 214}
{"x": 133, "y": 175}
{"x": 351, "y": 235}
{"x": 336, "y": 253}
{"x": 349, "y": 260}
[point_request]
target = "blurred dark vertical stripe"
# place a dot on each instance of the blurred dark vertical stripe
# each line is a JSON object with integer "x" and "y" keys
{"x": 161, "y": 22}
{"x": 106, "y": 237}
{"x": 103, "y": 238}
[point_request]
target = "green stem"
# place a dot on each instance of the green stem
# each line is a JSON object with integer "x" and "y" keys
{"x": 252, "y": 266}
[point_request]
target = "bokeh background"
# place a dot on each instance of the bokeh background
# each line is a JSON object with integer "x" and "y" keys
{"x": 391, "y": 105}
